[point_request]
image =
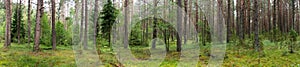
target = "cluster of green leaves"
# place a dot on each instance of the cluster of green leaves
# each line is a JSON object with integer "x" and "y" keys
{"x": 136, "y": 35}
{"x": 108, "y": 16}
{"x": 14, "y": 27}
{"x": 63, "y": 37}
{"x": 45, "y": 30}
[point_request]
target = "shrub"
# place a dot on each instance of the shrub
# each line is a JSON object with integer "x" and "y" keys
{"x": 45, "y": 31}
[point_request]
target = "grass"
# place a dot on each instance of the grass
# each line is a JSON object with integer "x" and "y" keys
{"x": 22, "y": 56}
{"x": 272, "y": 55}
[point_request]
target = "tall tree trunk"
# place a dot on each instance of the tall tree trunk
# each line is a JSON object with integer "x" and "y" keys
{"x": 53, "y": 25}
{"x": 256, "y": 29}
{"x": 242, "y": 6}
{"x": 19, "y": 19}
{"x": 238, "y": 17}
{"x": 179, "y": 22}
{"x": 247, "y": 18}
{"x": 82, "y": 21}
{"x": 37, "y": 34}
{"x": 293, "y": 14}
{"x": 269, "y": 16}
{"x": 29, "y": 22}
{"x": 293, "y": 28}
{"x": 85, "y": 40}
{"x": 62, "y": 13}
{"x": 96, "y": 21}
{"x": 228, "y": 20}
{"x": 154, "y": 25}
{"x": 256, "y": 25}
{"x": 185, "y": 21}
{"x": 8, "y": 24}
{"x": 126, "y": 24}
{"x": 197, "y": 18}
{"x": 274, "y": 20}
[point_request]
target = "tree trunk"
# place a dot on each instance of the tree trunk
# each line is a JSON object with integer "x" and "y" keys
{"x": 126, "y": 24}
{"x": 238, "y": 17}
{"x": 197, "y": 19}
{"x": 269, "y": 16}
{"x": 82, "y": 21}
{"x": 274, "y": 20}
{"x": 8, "y": 24}
{"x": 19, "y": 19}
{"x": 154, "y": 26}
{"x": 228, "y": 20}
{"x": 62, "y": 13}
{"x": 256, "y": 29}
{"x": 29, "y": 22}
{"x": 185, "y": 21}
{"x": 53, "y": 25}
{"x": 256, "y": 25}
{"x": 179, "y": 22}
{"x": 37, "y": 34}
{"x": 293, "y": 14}
{"x": 85, "y": 40}
{"x": 96, "y": 21}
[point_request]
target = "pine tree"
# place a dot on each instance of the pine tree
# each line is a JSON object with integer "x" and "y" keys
{"x": 108, "y": 16}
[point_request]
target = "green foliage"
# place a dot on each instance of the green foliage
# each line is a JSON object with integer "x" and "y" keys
{"x": 108, "y": 16}
{"x": 63, "y": 36}
{"x": 21, "y": 56}
{"x": 135, "y": 35}
{"x": 2, "y": 31}
{"x": 14, "y": 29}
{"x": 45, "y": 31}
{"x": 293, "y": 33}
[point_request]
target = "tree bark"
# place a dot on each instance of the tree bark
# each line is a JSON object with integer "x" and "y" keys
{"x": 185, "y": 21}
{"x": 154, "y": 26}
{"x": 228, "y": 20}
{"x": 256, "y": 25}
{"x": 53, "y": 25}
{"x": 8, "y": 24}
{"x": 179, "y": 22}
{"x": 126, "y": 24}
{"x": 29, "y": 22}
{"x": 38, "y": 26}
{"x": 96, "y": 21}
{"x": 85, "y": 40}
{"x": 62, "y": 13}
{"x": 19, "y": 7}
{"x": 82, "y": 21}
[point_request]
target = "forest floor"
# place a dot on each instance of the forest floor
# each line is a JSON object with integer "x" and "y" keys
{"x": 272, "y": 55}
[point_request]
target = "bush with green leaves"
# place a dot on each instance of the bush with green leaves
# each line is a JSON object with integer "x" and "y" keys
{"x": 135, "y": 35}
{"x": 14, "y": 28}
{"x": 45, "y": 31}
{"x": 63, "y": 37}
{"x": 108, "y": 15}
{"x": 2, "y": 31}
